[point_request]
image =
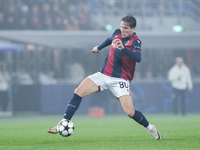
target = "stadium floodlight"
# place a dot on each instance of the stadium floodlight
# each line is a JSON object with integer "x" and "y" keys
{"x": 178, "y": 28}
{"x": 108, "y": 27}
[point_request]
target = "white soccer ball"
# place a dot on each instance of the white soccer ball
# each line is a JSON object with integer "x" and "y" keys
{"x": 65, "y": 128}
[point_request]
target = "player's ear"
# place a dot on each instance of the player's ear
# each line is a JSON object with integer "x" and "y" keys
{"x": 133, "y": 29}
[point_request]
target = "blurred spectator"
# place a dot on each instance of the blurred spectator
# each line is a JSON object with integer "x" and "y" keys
{"x": 84, "y": 16}
{"x": 148, "y": 73}
{"x": 34, "y": 75}
{"x": 47, "y": 77}
{"x": 10, "y": 23}
{"x": 23, "y": 24}
{"x": 77, "y": 72}
{"x": 72, "y": 20}
{"x": 45, "y": 11}
{"x": 35, "y": 10}
{"x": 160, "y": 71}
{"x": 181, "y": 81}
{"x": 24, "y": 12}
{"x": 2, "y": 5}
{"x": 48, "y": 24}
{"x": 57, "y": 12}
{"x": 23, "y": 77}
{"x": 58, "y": 23}
{"x": 35, "y": 23}
{"x": 72, "y": 23}
{"x": 4, "y": 87}
{"x": 137, "y": 75}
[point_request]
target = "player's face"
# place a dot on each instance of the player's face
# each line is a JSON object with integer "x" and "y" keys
{"x": 126, "y": 30}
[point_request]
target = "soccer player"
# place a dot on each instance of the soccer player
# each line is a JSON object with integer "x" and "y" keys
{"x": 115, "y": 75}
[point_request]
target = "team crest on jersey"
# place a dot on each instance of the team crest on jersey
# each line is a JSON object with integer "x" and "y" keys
{"x": 127, "y": 42}
{"x": 114, "y": 43}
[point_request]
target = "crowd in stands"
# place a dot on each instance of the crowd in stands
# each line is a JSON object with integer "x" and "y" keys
{"x": 81, "y": 14}
{"x": 45, "y": 15}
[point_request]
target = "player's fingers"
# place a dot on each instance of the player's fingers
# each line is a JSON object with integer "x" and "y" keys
{"x": 116, "y": 40}
{"x": 95, "y": 51}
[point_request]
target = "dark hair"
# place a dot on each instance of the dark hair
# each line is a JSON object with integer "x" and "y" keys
{"x": 130, "y": 20}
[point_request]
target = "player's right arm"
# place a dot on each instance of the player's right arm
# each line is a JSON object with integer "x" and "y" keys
{"x": 95, "y": 50}
{"x": 105, "y": 43}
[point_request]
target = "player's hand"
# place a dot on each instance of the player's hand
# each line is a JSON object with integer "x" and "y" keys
{"x": 118, "y": 43}
{"x": 95, "y": 50}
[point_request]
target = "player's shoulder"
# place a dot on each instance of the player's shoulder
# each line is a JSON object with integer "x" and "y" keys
{"x": 137, "y": 41}
{"x": 135, "y": 38}
{"x": 117, "y": 31}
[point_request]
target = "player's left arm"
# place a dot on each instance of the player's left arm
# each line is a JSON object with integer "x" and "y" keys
{"x": 135, "y": 53}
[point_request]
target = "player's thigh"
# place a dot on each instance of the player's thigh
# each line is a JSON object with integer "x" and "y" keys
{"x": 86, "y": 87}
{"x": 119, "y": 87}
{"x": 127, "y": 104}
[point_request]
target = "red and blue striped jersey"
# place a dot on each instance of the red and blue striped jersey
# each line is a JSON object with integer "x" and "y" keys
{"x": 121, "y": 63}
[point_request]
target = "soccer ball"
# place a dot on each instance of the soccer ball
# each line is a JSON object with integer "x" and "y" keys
{"x": 65, "y": 127}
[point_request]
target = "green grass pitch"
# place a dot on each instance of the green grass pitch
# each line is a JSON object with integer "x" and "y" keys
{"x": 108, "y": 133}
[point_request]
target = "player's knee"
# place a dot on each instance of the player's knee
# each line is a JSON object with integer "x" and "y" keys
{"x": 130, "y": 112}
{"x": 77, "y": 91}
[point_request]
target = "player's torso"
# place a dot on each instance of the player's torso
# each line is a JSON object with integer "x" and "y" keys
{"x": 118, "y": 64}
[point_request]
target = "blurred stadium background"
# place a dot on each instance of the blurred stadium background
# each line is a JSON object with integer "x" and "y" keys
{"x": 45, "y": 47}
